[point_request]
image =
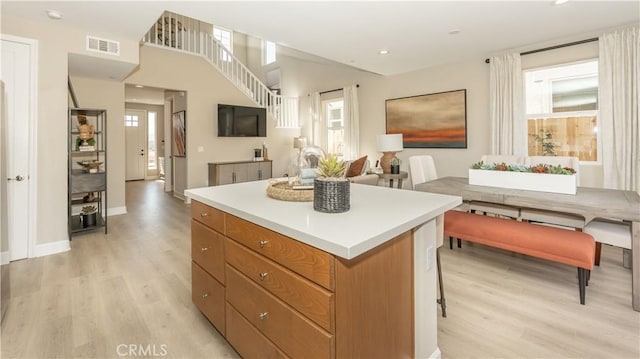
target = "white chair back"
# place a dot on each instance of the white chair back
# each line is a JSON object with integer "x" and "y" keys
{"x": 422, "y": 169}
{"x": 508, "y": 159}
{"x": 563, "y": 161}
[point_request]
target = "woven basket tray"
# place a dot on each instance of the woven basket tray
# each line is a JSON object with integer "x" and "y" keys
{"x": 283, "y": 191}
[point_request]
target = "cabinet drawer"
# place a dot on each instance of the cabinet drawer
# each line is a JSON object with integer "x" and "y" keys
{"x": 297, "y": 336}
{"x": 207, "y": 249}
{"x": 208, "y": 295}
{"x": 247, "y": 340}
{"x": 313, "y": 301}
{"x": 303, "y": 259}
{"x": 208, "y": 215}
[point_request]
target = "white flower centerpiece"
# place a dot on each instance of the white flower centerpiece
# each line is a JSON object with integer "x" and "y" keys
{"x": 541, "y": 177}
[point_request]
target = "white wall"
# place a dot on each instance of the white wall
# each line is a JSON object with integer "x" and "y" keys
{"x": 205, "y": 88}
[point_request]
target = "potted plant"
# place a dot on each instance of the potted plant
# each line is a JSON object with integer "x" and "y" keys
{"x": 331, "y": 188}
{"x": 89, "y": 216}
{"x": 395, "y": 165}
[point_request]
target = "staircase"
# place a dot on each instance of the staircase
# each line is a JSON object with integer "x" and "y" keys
{"x": 180, "y": 33}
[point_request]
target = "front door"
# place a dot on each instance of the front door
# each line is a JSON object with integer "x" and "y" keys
{"x": 135, "y": 130}
{"x": 16, "y": 144}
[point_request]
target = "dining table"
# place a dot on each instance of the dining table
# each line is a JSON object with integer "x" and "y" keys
{"x": 588, "y": 202}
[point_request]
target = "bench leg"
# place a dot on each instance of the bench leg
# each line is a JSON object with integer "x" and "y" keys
{"x": 441, "y": 301}
{"x": 459, "y": 243}
{"x": 598, "y": 251}
{"x": 582, "y": 283}
{"x": 450, "y": 242}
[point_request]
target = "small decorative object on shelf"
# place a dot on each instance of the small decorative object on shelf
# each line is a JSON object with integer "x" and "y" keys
{"x": 89, "y": 216}
{"x": 395, "y": 166}
{"x": 331, "y": 189}
{"x": 541, "y": 177}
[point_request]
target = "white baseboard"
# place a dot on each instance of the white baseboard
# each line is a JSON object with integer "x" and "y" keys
{"x": 115, "y": 211}
{"x": 52, "y": 248}
{"x": 437, "y": 354}
{"x": 5, "y": 257}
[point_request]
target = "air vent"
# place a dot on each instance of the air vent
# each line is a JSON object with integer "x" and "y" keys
{"x": 102, "y": 45}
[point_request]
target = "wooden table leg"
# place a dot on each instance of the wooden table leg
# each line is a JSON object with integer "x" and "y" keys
{"x": 635, "y": 262}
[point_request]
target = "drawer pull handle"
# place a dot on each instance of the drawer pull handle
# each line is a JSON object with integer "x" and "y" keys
{"x": 262, "y": 243}
{"x": 205, "y": 295}
{"x": 263, "y": 315}
{"x": 262, "y": 275}
{"x": 204, "y": 249}
{"x": 204, "y": 214}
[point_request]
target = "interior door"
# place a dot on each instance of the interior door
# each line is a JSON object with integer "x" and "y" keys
{"x": 135, "y": 143}
{"x": 16, "y": 60}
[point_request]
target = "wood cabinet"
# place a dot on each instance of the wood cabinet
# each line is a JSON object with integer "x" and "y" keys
{"x": 87, "y": 175}
{"x": 284, "y": 298}
{"x": 236, "y": 172}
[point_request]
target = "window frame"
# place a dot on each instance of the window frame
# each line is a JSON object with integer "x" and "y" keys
{"x": 223, "y": 56}
{"x": 265, "y": 49}
{"x": 531, "y": 116}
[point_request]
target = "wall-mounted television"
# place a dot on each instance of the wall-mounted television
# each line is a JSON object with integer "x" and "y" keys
{"x": 241, "y": 121}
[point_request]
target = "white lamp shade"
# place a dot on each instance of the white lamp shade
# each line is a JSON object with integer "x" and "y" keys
{"x": 389, "y": 143}
{"x": 299, "y": 142}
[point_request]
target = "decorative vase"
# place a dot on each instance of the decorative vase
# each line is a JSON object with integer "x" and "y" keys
{"x": 395, "y": 169}
{"x": 331, "y": 195}
{"x": 89, "y": 220}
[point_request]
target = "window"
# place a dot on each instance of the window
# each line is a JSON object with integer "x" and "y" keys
{"x": 131, "y": 121}
{"x": 226, "y": 39}
{"x": 334, "y": 113}
{"x": 562, "y": 111}
{"x": 268, "y": 52}
{"x": 151, "y": 141}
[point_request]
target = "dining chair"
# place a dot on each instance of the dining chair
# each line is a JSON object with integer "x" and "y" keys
{"x": 614, "y": 233}
{"x": 492, "y": 208}
{"x": 508, "y": 159}
{"x": 550, "y": 217}
{"x": 423, "y": 169}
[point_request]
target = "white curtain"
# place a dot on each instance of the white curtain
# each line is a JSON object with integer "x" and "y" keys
{"x": 508, "y": 130}
{"x": 619, "y": 75}
{"x": 351, "y": 123}
{"x": 318, "y": 125}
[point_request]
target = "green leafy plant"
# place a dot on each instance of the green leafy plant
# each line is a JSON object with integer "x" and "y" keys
{"x": 539, "y": 168}
{"x": 88, "y": 209}
{"x": 545, "y": 139}
{"x": 331, "y": 167}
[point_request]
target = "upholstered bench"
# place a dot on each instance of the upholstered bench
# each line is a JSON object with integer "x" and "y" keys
{"x": 555, "y": 244}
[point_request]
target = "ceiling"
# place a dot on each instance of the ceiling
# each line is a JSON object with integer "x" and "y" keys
{"x": 416, "y": 34}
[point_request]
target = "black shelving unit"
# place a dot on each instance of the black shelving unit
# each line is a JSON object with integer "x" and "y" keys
{"x": 82, "y": 181}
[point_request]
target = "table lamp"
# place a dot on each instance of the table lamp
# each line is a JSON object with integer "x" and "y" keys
{"x": 388, "y": 145}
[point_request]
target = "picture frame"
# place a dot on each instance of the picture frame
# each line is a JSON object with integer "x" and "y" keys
{"x": 179, "y": 148}
{"x": 437, "y": 120}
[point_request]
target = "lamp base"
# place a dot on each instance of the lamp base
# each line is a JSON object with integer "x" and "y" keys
{"x": 385, "y": 161}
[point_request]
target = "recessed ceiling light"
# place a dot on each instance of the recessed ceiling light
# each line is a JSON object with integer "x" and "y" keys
{"x": 139, "y": 86}
{"x": 54, "y": 14}
{"x": 383, "y": 52}
{"x": 559, "y": 2}
{"x": 454, "y": 32}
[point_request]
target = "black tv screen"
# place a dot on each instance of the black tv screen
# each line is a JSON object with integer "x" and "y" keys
{"x": 241, "y": 121}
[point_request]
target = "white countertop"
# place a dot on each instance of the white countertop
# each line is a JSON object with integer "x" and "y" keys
{"x": 377, "y": 214}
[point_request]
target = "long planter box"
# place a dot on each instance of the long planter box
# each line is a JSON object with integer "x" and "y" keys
{"x": 543, "y": 182}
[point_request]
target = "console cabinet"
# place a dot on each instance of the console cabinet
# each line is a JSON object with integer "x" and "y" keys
{"x": 236, "y": 172}
{"x": 272, "y": 296}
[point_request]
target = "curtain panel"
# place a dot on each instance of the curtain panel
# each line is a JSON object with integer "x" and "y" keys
{"x": 318, "y": 125}
{"x": 351, "y": 123}
{"x": 508, "y": 129}
{"x": 619, "y": 74}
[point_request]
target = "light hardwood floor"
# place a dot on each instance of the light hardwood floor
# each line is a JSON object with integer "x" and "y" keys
{"x": 133, "y": 287}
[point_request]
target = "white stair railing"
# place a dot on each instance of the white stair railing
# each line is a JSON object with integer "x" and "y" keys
{"x": 180, "y": 33}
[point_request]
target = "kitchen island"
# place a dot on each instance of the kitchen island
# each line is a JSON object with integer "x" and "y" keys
{"x": 279, "y": 279}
